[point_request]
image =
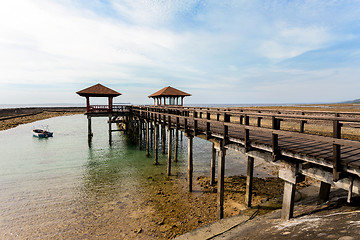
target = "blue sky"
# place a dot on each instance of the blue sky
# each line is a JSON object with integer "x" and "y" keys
{"x": 219, "y": 51}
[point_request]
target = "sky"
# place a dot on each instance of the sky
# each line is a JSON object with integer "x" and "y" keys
{"x": 224, "y": 52}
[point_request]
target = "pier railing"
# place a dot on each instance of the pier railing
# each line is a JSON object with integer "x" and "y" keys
{"x": 106, "y": 108}
{"x": 324, "y": 145}
{"x": 332, "y": 141}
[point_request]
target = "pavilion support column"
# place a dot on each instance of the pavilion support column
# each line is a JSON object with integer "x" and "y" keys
{"x": 87, "y": 104}
{"x": 324, "y": 192}
{"x": 221, "y": 181}
{"x": 249, "y": 181}
{"x": 156, "y": 144}
{"x": 176, "y": 145}
{"x": 190, "y": 161}
{"x": 110, "y": 131}
{"x": 147, "y": 140}
{"x": 213, "y": 163}
{"x": 169, "y": 152}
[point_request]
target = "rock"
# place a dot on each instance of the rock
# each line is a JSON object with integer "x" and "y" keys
{"x": 161, "y": 222}
{"x": 346, "y": 238}
{"x": 138, "y": 231}
{"x": 165, "y": 228}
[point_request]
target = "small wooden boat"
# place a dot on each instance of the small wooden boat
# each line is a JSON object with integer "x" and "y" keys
{"x": 41, "y": 133}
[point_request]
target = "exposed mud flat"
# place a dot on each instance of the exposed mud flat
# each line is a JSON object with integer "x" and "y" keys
{"x": 11, "y": 123}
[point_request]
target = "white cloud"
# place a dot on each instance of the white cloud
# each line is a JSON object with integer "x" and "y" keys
{"x": 287, "y": 42}
{"x": 229, "y": 48}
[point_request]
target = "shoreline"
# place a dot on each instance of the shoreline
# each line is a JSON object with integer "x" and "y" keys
{"x": 11, "y": 118}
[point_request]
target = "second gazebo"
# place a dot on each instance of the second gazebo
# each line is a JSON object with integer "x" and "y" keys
{"x": 169, "y": 96}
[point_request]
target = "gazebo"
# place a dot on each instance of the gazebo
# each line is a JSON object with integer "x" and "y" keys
{"x": 98, "y": 90}
{"x": 169, "y": 96}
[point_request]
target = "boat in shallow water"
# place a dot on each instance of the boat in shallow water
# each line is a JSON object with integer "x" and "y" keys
{"x": 41, "y": 133}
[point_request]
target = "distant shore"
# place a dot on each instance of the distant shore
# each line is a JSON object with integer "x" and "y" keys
{"x": 12, "y": 117}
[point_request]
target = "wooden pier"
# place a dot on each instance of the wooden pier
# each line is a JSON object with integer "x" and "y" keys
{"x": 279, "y": 137}
{"x": 318, "y": 144}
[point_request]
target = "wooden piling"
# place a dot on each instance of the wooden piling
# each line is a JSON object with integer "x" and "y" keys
{"x": 156, "y": 144}
{"x": 249, "y": 181}
{"x": 213, "y": 164}
{"x": 140, "y": 134}
{"x": 190, "y": 161}
{"x": 221, "y": 180}
{"x": 289, "y": 172}
{"x": 163, "y": 139}
{"x": 351, "y": 180}
{"x": 324, "y": 192}
{"x": 110, "y": 135}
{"x": 288, "y": 201}
{"x": 90, "y": 134}
{"x": 176, "y": 145}
{"x": 147, "y": 140}
{"x": 169, "y": 151}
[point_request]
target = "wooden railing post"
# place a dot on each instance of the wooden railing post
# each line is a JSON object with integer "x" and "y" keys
{"x": 259, "y": 121}
{"x": 195, "y": 115}
{"x": 226, "y": 128}
{"x": 336, "y": 151}
{"x": 208, "y": 133}
{"x": 302, "y": 124}
{"x": 247, "y": 135}
{"x": 275, "y": 139}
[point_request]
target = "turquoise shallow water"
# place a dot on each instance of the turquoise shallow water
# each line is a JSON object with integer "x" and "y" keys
{"x": 59, "y": 187}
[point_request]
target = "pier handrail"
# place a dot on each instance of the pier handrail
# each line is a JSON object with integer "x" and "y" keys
{"x": 197, "y": 124}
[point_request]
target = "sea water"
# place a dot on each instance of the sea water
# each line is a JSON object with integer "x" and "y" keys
{"x": 60, "y": 187}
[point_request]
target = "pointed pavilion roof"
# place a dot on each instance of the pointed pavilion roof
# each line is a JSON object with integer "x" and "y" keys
{"x": 169, "y": 92}
{"x": 98, "y": 90}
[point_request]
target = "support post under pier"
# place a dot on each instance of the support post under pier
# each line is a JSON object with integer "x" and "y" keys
{"x": 290, "y": 173}
{"x": 324, "y": 192}
{"x": 190, "y": 161}
{"x": 110, "y": 135}
{"x": 163, "y": 138}
{"x": 169, "y": 152}
{"x": 90, "y": 134}
{"x": 156, "y": 144}
{"x": 147, "y": 139}
{"x": 213, "y": 163}
{"x": 176, "y": 145}
{"x": 221, "y": 181}
{"x": 249, "y": 181}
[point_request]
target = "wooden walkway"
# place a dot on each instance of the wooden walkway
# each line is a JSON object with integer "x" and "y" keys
{"x": 287, "y": 138}
{"x": 233, "y": 126}
{"x": 318, "y": 144}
